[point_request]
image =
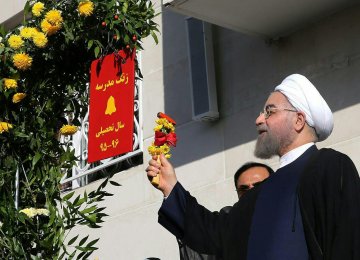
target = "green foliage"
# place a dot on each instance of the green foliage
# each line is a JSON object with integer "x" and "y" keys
{"x": 55, "y": 85}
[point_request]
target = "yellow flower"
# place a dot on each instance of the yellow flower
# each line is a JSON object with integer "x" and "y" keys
{"x": 18, "y": 97}
{"x": 15, "y": 42}
{"x": 43, "y": 212}
{"x": 165, "y": 124}
{"x": 22, "y": 61}
{"x": 54, "y": 17}
{"x": 32, "y": 212}
{"x": 68, "y": 129}
{"x": 158, "y": 128}
{"x": 10, "y": 83}
{"x": 48, "y": 28}
{"x": 154, "y": 150}
{"x": 27, "y": 32}
{"x": 86, "y": 8}
{"x": 37, "y": 9}
{"x": 5, "y": 127}
{"x": 157, "y": 150}
{"x": 165, "y": 149}
{"x": 40, "y": 39}
{"x": 161, "y": 121}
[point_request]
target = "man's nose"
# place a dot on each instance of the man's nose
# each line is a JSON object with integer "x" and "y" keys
{"x": 260, "y": 119}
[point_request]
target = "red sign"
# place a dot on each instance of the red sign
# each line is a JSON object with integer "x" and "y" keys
{"x": 111, "y": 116}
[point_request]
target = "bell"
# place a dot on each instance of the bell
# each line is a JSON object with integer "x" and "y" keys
{"x": 110, "y": 107}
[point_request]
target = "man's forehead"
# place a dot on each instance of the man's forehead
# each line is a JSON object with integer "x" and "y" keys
{"x": 276, "y": 98}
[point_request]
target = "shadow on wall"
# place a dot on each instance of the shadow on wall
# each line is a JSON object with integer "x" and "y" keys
{"x": 247, "y": 70}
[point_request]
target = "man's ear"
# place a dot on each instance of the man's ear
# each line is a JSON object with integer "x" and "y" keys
{"x": 300, "y": 121}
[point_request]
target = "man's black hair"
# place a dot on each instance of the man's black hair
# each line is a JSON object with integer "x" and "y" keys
{"x": 249, "y": 165}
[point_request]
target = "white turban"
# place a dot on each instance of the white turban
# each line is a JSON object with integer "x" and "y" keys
{"x": 303, "y": 95}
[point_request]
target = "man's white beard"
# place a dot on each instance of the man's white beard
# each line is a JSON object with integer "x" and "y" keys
{"x": 267, "y": 146}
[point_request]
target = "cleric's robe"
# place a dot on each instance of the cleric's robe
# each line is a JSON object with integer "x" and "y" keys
{"x": 328, "y": 193}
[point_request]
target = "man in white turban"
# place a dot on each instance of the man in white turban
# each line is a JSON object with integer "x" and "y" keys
{"x": 308, "y": 209}
{"x": 303, "y": 96}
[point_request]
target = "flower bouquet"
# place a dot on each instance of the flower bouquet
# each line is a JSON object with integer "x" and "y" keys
{"x": 165, "y": 137}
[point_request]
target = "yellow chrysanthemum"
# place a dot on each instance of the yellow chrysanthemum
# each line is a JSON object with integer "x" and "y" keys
{"x": 157, "y": 150}
{"x": 5, "y": 127}
{"x": 48, "y": 28}
{"x": 165, "y": 149}
{"x": 86, "y": 8}
{"x": 152, "y": 150}
{"x": 18, "y": 97}
{"x": 158, "y": 128}
{"x": 27, "y": 32}
{"x": 54, "y": 17}
{"x": 68, "y": 129}
{"x": 10, "y": 83}
{"x": 15, "y": 41}
{"x": 40, "y": 40}
{"x": 22, "y": 61}
{"x": 38, "y": 8}
{"x": 166, "y": 124}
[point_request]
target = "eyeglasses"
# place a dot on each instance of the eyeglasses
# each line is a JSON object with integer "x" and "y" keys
{"x": 245, "y": 187}
{"x": 269, "y": 110}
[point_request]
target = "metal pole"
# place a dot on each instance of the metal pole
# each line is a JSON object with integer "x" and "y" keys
{"x": 17, "y": 188}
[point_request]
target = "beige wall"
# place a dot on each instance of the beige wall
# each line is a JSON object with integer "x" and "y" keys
{"x": 10, "y": 12}
{"x": 208, "y": 154}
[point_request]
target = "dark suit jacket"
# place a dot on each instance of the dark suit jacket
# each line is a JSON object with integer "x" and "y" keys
{"x": 329, "y": 197}
{"x": 186, "y": 253}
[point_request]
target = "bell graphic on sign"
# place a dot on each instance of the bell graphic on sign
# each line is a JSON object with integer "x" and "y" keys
{"x": 110, "y": 107}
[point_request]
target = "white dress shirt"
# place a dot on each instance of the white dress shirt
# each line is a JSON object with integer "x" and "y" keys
{"x": 291, "y": 156}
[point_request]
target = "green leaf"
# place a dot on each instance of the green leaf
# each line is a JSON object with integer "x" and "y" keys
{"x": 36, "y": 158}
{"x": 85, "y": 195}
{"x": 92, "y": 218}
{"x": 68, "y": 196}
{"x": 66, "y": 213}
{"x": 82, "y": 241}
{"x": 126, "y": 39}
{"x": 81, "y": 248}
{"x": 79, "y": 202}
{"x": 90, "y": 244}
{"x": 154, "y": 37}
{"x": 125, "y": 7}
{"x": 96, "y": 51}
{"x": 91, "y": 209}
{"x": 114, "y": 183}
{"x": 73, "y": 240}
{"x": 90, "y": 44}
{"x": 21, "y": 135}
{"x": 2, "y": 30}
{"x": 27, "y": 9}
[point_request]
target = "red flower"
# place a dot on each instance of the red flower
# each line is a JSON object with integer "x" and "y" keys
{"x": 162, "y": 138}
{"x": 162, "y": 115}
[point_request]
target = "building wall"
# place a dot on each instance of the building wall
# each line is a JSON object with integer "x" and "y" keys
{"x": 11, "y": 12}
{"x": 208, "y": 154}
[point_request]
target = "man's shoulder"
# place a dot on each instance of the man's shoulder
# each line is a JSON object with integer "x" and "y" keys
{"x": 329, "y": 156}
{"x": 327, "y": 163}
